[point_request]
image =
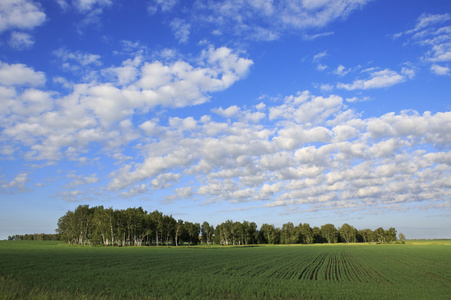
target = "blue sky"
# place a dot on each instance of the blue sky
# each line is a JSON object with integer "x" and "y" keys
{"x": 267, "y": 111}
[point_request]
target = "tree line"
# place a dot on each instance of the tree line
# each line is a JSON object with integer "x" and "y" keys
{"x": 135, "y": 227}
{"x": 35, "y": 237}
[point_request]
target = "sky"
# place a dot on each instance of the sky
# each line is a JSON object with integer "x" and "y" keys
{"x": 303, "y": 111}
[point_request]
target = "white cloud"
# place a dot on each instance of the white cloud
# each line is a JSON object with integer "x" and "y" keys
{"x": 440, "y": 70}
{"x": 70, "y": 195}
{"x": 240, "y": 153}
{"x": 357, "y": 99}
{"x": 151, "y": 127}
{"x": 76, "y": 60}
{"x": 21, "y": 40}
{"x": 18, "y": 184}
{"x": 301, "y": 149}
{"x": 263, "y": 34}
{"x": 426, "y": 20}
{"x": 352, "y": 162}
{"x": 409, "y": 73}
{"x": 341, "y": 70}
{"x": 317, "y": 57}
{"x": 181, "y": 30}
{"x": 20, "y": 14}
{"x": 135, "y": 190}
{"x": 434, "y": 32}
{"x": 273, "y": 17}
{"x": 63, "y": 4}
{"x": 318, "y": 35}
{"x": 165, "y": 180}
{"x": 19, "y": 74}
{"x": 231, "y": 111}
{"x": 90, "y": 5}
{"x": 321, "y": 67}
{"x": 378, "y": 79}
{"x": 326, "y": 87}
{"x": 46, "y": 123}
{"x": 164, "y": 5}
{"x": 440, "y": 52}
{"x": 184, "y": 192}
{"x": 316, "y": 13}
{"x": 82, "y": 180}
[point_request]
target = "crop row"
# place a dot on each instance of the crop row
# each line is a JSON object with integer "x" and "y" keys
{"x": 322, "y": 271}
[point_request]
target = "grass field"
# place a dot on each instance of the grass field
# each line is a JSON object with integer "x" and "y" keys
{"x": 51, "y": 270}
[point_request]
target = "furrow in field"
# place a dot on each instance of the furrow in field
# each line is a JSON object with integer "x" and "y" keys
{"x": 357, "y": 269}
{"x": 307, "y": 269}
{"x": 329, "y": 267}
{"x": 337, "y": 273}
{"x": 263, "y": 268}
{"x": 365, "y": 275}
{"x": 288, "y": 269}
{"x": 310, "y": 271}
{"x": 314, "y": 275}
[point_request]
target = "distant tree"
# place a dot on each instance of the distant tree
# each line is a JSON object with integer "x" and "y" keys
{"x": 288, "y": 234}
{"x": 390, "y": 235}
{"x": 65, "y": 227}
{"x": 305, "y": 233}
{"x": 134, "y": 226}
{"x": 348, "y": 233}
{"x": 367, "y": 235}
{"x": 268, "y": 233}
{"x": 251, "y": 233}
{"x": 329, "y": 232}
{"x": 193, "y": 231}
{"x": 317, "y": 235}
{"x": 245, "y": 233}
{"x": 238, "y": 233}
{"x": 207, "y": 232}
{"x": 179, "y": 227}
{"x": 157, "y": 218}
{"x": 245, "y": 225}
{"x": 82, "y": 222}
{"x": 379, "y": 234}
{"x": 224, "y": 232}
{"x": 169, "y": 229}
{"x": 401, "y": 237}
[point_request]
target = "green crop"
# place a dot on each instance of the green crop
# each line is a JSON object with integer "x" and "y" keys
{"x": 48, "y": 270}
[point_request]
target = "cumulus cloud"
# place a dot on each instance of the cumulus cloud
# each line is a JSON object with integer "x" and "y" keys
{"x": 181, "y": 30}
{"x": 231, "y": 111}
{"x": 377, "y": 79}
{"x": 311, "y": 152}
{"x": 100, "y": 112}
{"x": 76, "y": 60}
{"x": 90, "y": 5}
{"x": 301, "y": 149}
{"x": 20, "y": 74}
{"x": 341, "y": 70}
{"x": 21, "y": 40}
{"x": 70, "y": 195}
{"x": 440, "y": 70}
{"x": 18, "y": 184}
{"x": 78, "y": 180}
{"x": 20, "y": 14}
{"x": 164, "y": 5}
{"x": 135, "y": 190}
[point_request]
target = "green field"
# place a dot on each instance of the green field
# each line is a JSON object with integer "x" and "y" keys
{"x": 51, "y": 270}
